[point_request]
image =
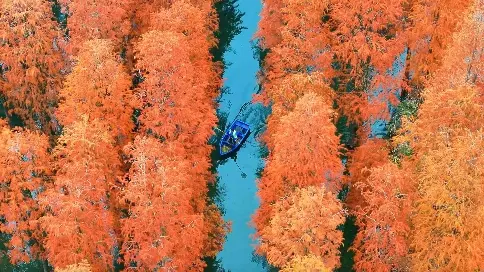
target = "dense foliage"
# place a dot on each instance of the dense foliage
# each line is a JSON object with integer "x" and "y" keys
{"x": 110, "y": 165}
{"x": 117, "y": 173}
{"x": 415, "y": 191}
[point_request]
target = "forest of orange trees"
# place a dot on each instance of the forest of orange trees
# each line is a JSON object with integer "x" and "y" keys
{"x": 109, "y": 109}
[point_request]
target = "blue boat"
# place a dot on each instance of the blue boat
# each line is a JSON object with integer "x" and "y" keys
{"x": 234, "y": 137}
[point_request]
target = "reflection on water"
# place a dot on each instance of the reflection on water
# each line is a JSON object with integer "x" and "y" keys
{"x": 235, "y": 188}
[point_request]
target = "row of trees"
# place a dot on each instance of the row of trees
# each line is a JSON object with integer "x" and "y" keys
{"x": 416, "y": 196}
{"x": 109, "y": 169}
{"x": 299, "y": 211}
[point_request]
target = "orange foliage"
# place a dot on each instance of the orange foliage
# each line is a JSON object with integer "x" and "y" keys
{"x": 174, "y": 107}
{"x": 309, "y": 263}
{"x": 141, "y": 14}
{"x": 162, "y": 230}
{"x": 304, "y": 149}
{"x": 361, "y": 37}
{"x": 367, "y": 40}
{"x": 463, "y": 62}
{"x": 96, "y": 19}
{"x": 453, "y": 97}
{"x": 433, "y": 23}
{"x": 168, "y": 109}
{"x": 359, "y": 43}
{"x": 368, "y": 35}
{"x": 373, "y": 153}
{"x": 176, "y": 98}
{"x": 190, "y": 60}
{"x": 215, "y": 231}
{"x": 99, "y": 86}
{"x": 30, "y": 64}
{"x": 86, "y": 158}
{"x": 284, "y": 92}
{"x": 199, "y": 34}
{"x": 444, "y": 112}
{"x": 304, "y": 223}
{"x": 382, "y": 242}
{"x": 79, "y": 224}
{"x": 144, "y": 9}
{"x": 447, "y": 139}
{"x": 448, "y": 217}
{"x": 292, "y": 30}
{"x": 82, "y": 266}
{"x": 447, "y": 143}
{"x": 306, "y": 152}
{"x": 23, "y": 165}
{"x": 177, "y": 116}
{"x": 175, "y": 19}
{"x": 350, "y": 44}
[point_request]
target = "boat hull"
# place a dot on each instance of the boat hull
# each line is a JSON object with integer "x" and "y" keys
{"x": 228, "y": 143}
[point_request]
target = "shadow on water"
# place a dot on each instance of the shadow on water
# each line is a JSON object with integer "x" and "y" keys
{"x": 230, "y": 25}
{"x": 234, "y": 190}
{"x": 255, "y": 115}
{"x": 217, "y": 193}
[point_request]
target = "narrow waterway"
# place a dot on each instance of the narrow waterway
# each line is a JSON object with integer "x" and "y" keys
{"x": 235, "y": 191}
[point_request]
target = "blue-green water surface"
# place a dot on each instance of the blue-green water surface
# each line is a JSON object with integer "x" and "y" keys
{"x": 236, "y": 183}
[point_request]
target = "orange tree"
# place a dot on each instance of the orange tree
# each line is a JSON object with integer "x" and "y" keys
{"x": 304, "y": 223}
{"x": 172, "y": 108}
{"x": 447, "y": 231}
{"x": 447, "y": 142}
{"x": 177, "y": 116}
{"x": 388, "y": 191}
{"x": 283, "y": 94}
{"x": 355, "y": 43}
{"x": 359, "y": 42}
{"x": 162, "y": 230}
{"x": 82, "y": 266}
{"x": 202, "y": 81}
{"x": 463, "y": 61}
{"x": 78, "y": 222}
{"x": 293, "y": 32}
{"x": 30, "y": 61}
{"x": 23, "y": 168}
{"x": 372, "y": 153}
{"x": 306, "y": 263}
{"x": 306, "y": 153}
{"x": 96, "y": 19}
{"x": 199, "y": 34}
{"x": 303, "y": 147}
{"x": 306, "y": 150}
{"x": 98, "y": 85}
{"x": 432, "y": 26}
{"x": 382, "y": 242}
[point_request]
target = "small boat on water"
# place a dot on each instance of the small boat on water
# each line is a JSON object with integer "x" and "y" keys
{"x": 234, "y": 136}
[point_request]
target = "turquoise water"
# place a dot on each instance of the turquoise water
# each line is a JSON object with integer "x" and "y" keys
{"x": 236, "y": 184}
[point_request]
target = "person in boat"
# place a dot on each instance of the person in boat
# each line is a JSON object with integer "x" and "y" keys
{"x": 233, "y": 137}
